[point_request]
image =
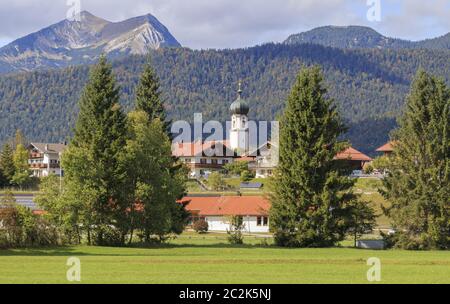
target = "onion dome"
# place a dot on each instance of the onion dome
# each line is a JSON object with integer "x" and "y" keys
{"x": 240, "y": 106}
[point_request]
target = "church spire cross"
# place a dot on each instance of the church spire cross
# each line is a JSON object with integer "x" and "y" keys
{"x": 240, "y": 90}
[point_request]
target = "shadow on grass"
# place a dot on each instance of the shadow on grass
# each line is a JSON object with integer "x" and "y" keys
{"x": 92, "y": 250}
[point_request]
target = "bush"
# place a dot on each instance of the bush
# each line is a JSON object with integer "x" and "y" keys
{"x": 237, "y": 225}
{"x": 368, "y": 168}
{"x": 107, "y": 235}
{"x": 22, "y": 228}
{"x": 216, "y": 182}
{"x": 236, "y": 168}
{"x": 201, "y": 226}
{"x": 247, "y": 176}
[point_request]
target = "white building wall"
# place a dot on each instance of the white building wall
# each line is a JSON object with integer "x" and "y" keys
{"x": 239, "y": 138}
{"x": 47, "y": 161}
{"x": 220, "y": 224}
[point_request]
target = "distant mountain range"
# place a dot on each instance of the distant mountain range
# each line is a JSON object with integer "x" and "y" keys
{"x": 81, "y": 42}
{"x": 360, "y": 37}
{"x": 76, "y": 42}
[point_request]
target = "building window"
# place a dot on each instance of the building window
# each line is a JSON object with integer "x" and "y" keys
{"x": 203, "y": 161}
{"x": 187, "y": 160}
{"x": 214, "y": 161}
{"x": 262, "y": 221}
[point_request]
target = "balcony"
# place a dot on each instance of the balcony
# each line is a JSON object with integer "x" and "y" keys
{"x": 35, "y": 155}
{"x": 45, "y": 166}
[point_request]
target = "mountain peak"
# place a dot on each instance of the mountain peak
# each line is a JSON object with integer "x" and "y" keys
{"x": 355, "y": 37}
{"x": 341, "y": 37}
{"x": 72, "y": 42}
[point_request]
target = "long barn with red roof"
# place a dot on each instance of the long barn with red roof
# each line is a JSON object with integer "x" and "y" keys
{"x": 216, "y": 211}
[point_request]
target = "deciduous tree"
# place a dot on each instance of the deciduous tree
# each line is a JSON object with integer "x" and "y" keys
{"x": 22, "y": 174}
{"x": 155, "y": 187}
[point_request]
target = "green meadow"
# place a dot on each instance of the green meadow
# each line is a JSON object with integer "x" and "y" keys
{"x": 208, "y": 258}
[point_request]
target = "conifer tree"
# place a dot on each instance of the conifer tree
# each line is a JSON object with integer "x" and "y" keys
{"x": 311, "y": 190}
{"x": 3, "y": 182}
{"x": 7, "y": 164}
{"x": 94, "y": 172}
{"x": 148, "y": 95}
{"x": 418, "y": 184}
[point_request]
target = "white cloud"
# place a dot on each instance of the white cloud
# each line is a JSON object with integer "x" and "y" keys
{"x": 236, "y": 23}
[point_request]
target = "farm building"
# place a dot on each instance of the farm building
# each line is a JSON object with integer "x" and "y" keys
{"x": 216, "y": 211}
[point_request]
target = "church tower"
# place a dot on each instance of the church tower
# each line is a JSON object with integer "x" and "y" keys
{"x": 239, "y": 135}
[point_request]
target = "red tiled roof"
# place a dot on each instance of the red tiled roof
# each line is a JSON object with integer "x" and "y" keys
{"x": 352, "y": 154}
{"x": 227, "y": 205}
{"x": 39, "y": 212}
{"x": 389, "y": 147}
{"x": 197, "y": 148}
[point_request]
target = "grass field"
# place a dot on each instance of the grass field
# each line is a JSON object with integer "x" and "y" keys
{"x": 208, "y": 259}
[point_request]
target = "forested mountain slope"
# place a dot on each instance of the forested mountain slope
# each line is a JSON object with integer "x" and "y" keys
{"x": 369, "y": 86}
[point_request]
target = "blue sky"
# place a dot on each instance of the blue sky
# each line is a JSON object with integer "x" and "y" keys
{"x": 237, "y": 23}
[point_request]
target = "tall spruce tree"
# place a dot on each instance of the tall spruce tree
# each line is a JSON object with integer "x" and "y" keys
{"x": 311, "y": 190}
{"x": 94, "y": 171}
{"x": 149, "y": 97}
{"x": 3, "y": 182}
{"x": 418, "y": 184}
{"x": 7, "y": 164}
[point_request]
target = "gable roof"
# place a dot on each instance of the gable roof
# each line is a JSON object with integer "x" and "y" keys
{"x": 352, "y": 154}
{"x": 228, "y": 206}
{"x": 49, "y": 148}
{"x": 198, "y": 149}
{"x": 389, "y": 147}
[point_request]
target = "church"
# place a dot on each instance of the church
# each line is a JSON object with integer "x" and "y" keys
{"x": 236, "y": 148}
{"x": 242, "y": 146}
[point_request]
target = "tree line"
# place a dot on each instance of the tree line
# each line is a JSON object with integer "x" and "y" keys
{"x": 121, "y": 182}
{"x": 313, "y": 204}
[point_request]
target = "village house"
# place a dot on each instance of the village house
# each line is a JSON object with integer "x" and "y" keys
{"x": 355, "y": 159}
{"x": 387, "y": 149}
{"x": 45, "y": 159}
{"x": 216, "y": 211}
